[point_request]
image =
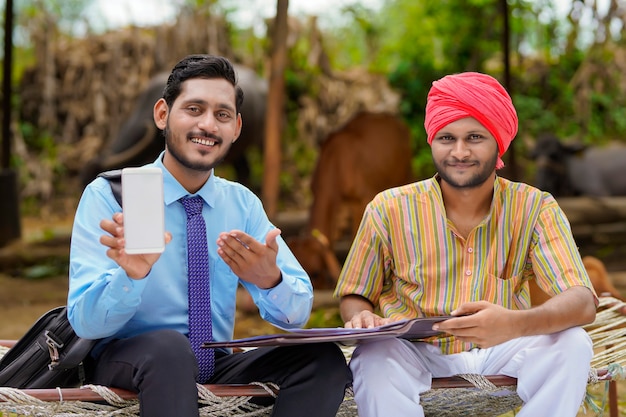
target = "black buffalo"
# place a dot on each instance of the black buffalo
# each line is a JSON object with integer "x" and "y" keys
{"x": 579, "y": 170}
{"x": 139, "y": 141}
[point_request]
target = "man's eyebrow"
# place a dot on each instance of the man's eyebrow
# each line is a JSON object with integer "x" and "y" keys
{"x": 228, "y": 107}
{"x": 202, "y": 102}
{"x": 483, "y": 132}
{"x": 444, "y": 133}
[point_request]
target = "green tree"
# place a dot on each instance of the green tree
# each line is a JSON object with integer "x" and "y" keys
{"x": 415, "y": 43}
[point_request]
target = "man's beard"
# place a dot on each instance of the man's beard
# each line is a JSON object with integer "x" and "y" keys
{"x": 475, "y": 181}
{"x": 173, "y": 150}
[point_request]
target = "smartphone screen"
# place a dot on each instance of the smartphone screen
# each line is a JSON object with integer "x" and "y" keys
{"x": 143, "y": 209}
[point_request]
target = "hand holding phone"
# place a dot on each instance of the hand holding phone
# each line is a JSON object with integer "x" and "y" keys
{"x": 143, "y": 209}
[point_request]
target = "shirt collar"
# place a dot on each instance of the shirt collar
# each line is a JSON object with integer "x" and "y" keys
{"x": 497, "y": 189}
{"x": 174, "y": 191}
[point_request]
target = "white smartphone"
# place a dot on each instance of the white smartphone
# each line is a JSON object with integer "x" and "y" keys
{"x": 143, "y": 209}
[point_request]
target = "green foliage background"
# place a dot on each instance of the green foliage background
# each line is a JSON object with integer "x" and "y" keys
{"x": 565, "y": 67}
{"x": 554, "y": 61}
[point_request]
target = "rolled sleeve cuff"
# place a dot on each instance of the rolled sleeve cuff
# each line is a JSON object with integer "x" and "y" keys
{"x": 125, "y": 290}
{"x": 289, "y": 302}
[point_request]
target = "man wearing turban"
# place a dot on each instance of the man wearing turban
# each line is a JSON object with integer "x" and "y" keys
{"x": 465, "y": 243}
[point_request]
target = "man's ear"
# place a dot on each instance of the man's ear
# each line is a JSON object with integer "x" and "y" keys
{"x": 239, "y": 125}
{"x": 160, "y": 113}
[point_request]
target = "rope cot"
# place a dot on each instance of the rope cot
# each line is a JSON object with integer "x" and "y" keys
{"x": 475, "y": 395}
{"x": 608, "y": 365}
{"x": 110, "y": 403}
{"x": 95, "y": 400}
{"x": 17, "y": 402}
{"x": 485, "y": 399}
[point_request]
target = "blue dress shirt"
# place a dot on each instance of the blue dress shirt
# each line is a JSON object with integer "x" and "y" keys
{"x": 103, "y": 302}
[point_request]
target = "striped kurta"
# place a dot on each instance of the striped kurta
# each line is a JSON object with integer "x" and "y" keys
{"x": 408, "y": 259}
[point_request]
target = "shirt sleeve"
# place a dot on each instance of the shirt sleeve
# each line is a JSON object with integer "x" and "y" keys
{"x": 555, "y": 258}
{"x": 287, "y": 305}
{"x": 101, "y": 297}
{"x": 364, "y": 270}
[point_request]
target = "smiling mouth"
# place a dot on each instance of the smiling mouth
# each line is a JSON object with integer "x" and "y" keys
{"x": 461, "y": 165}
{"x": 204, "y": 141}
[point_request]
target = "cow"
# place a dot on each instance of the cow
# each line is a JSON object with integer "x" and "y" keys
{"x": 577, "y": 170}
{"x": 139, "y": 141}
{"x": 370, "y": 153}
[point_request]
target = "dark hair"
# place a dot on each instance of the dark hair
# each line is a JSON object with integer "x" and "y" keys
{"x": 201, "y": 66}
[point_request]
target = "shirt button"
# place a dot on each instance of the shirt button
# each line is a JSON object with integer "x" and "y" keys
{"x": 274, "y": 297}
{"x": 468, "y": 272}
{"x": 470, "y": 250}
{"x": 125, "y": 288}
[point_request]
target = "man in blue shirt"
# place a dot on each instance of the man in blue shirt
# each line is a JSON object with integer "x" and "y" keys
{"x": 138, "y": 305}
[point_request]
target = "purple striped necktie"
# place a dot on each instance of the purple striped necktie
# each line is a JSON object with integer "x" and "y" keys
{"x": 200, "y": 326}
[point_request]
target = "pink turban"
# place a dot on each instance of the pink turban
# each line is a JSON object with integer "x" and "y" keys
{"x": 472, "y": 94}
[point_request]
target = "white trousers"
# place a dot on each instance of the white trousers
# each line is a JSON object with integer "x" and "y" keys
{"x": 551, "y": 372}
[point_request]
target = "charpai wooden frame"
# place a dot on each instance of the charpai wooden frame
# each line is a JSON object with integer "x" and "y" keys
{"x": 608, "y": 333}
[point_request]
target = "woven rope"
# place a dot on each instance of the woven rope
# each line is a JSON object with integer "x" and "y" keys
{"x": 607, "y": 333}
{"x": 475, "y": 402}
{"x": 15, "y": 401}
{"x": 19, "y": 403}
{"x": 486, "y": 400}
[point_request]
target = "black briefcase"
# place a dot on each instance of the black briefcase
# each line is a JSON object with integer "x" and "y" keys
{"x": 49, "y": 355}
